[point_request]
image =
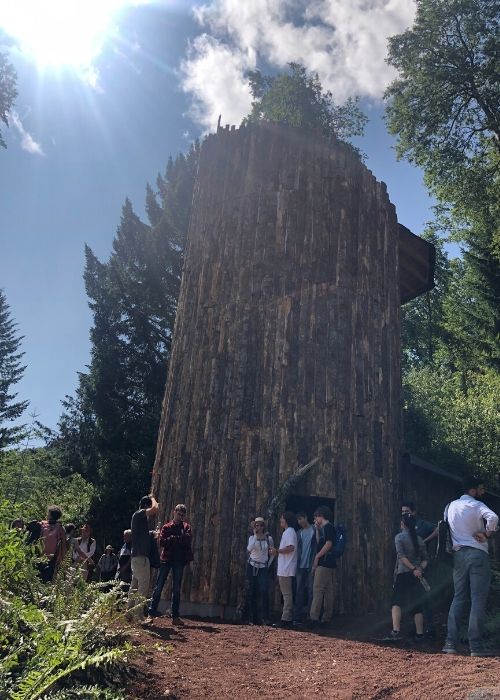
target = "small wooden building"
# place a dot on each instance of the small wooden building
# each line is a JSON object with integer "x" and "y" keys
{"x": 287, "y": 347}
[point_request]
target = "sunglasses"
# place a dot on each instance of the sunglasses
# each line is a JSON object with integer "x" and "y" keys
{"x": 182, "y": 512}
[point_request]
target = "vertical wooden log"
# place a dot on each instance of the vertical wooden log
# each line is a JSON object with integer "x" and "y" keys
{"x": 286, "y": 346}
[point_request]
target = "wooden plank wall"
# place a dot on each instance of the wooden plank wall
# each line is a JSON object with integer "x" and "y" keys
{"x": 286, "y": 346}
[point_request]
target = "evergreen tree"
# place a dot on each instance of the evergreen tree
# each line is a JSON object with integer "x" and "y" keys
{"x": 443, "y": 106}
{"x": 109, "y": 428}
{"x": 11, "y": 371}
{"x": 297, "y": 98}
{"x": 8, "y": 92}
{"x": 422, "y": 319}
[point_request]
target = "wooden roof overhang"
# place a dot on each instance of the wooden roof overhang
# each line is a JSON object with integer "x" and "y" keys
{"x": 417, "y": 259}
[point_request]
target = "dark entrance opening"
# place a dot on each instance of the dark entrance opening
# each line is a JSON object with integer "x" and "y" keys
{"x": 308, "y": 504}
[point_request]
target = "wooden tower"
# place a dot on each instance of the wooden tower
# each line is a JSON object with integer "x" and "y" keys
{"x": 287, "y": 347}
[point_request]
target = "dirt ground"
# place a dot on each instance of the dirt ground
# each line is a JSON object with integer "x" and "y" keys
{"x": 216, "y": 660}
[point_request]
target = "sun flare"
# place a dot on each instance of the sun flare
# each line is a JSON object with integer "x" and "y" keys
{"x": 60, "y": 32}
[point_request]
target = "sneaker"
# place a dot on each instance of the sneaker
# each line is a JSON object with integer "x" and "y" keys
{"x": 449, "y": 648}
{"x": 177, "y": 621}
{"x": 418, "y": 638}
{"x": 394, "y": 636}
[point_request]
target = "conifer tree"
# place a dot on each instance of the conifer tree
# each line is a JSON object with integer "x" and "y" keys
{"x": 11, "y": 371}
{"x": 109, "y": 428}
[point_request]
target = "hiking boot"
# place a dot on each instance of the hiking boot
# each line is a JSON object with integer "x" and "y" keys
{"x": 418, "y": 638}
{"x": 394, "y": 636}
{"x": 449, "y": 648}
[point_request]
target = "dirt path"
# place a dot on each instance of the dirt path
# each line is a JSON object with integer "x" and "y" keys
{"x": 209, "y": 660}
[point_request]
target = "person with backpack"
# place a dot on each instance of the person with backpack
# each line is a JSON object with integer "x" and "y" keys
{"x": 53, "y": 539}
{"x": 324, "y": 565}
{"x": 408, "y": 592}
{"x": 471, "y": 524}
{"x": 306, "y": 551}
{"x": 257, "y": 572}
{"x": 83, "y": 550}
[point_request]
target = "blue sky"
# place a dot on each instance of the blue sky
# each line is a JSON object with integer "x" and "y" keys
{"x": 80, "y": 145}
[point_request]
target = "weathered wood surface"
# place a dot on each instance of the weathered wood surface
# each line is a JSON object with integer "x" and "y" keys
{"x": 286, "y": 346}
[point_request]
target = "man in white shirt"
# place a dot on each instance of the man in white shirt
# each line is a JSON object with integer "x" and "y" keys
{"x": 471, "y": 524}
{"x": 287, "y": 565}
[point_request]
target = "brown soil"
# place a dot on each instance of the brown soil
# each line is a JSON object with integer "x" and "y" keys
{"x": 206, "y": 659}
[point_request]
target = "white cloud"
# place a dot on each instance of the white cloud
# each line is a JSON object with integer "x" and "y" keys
{"x": 344, "y": 41}
{"x": 28, "y": 143}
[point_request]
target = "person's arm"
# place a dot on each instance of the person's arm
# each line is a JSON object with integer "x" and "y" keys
{"x": 251, "y": 543}
{"x": 153, "y": 509}
{"x": 164, "y": 534}
{"x": 434, "y": 534}
{"x": 491, "y": 519}
{"x": 329, "y": 534}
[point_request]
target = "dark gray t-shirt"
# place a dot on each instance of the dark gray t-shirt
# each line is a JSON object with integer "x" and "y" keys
{"x": 141, "y": 541}
{"x": 405, "y": 548}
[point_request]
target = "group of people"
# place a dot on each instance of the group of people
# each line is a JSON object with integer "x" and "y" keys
{"x": 467, "y": 526}
{"x": 56, "y": 540}
{"x": 306, "y": 562}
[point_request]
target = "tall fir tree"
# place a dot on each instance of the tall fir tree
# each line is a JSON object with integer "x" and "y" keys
{"x": 11, "y": 371}
{"x": 109, "y": 429}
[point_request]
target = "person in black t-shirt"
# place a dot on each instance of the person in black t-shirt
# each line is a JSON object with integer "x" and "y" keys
{"x": 323, "y": 566}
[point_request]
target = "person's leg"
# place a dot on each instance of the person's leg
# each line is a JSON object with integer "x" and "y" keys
{"x": 250, "y": 610}
{"x": 419, "y": 623}
{"x": 140, "y": 582}
{"x": 328, "y": 596}
{"x": 160, "y": 582}
{"x": 460, "y": 598}
{"x": 319, "y": 586}
{"x": 301, "y": 580}
{"x": 396, "y": 618}
{"x": 177, "y": 571}
{"x": 309, "y": 583}
{"x": 480, "y": 578}
{"x": 287, "y": 593}
{"x": 263, "y": 593}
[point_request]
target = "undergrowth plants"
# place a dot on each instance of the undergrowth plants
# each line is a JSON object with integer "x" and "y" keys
{"x": 59, "y": 641}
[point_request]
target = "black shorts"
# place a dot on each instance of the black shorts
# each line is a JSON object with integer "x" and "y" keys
{"x": 408, "y": 593}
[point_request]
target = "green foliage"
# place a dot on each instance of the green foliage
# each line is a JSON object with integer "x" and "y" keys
{"x": 297, "y": 98}
{"x": 11, "y": 372}
{"x": 8, "y": 92}
{"x": 34, "y": 478}
{"x": 109, "y": 428}
{"x": 492, "y": 625}
{"x": 55, "y": 639}
{"x": 443, "y": 106}
{"x": 453, "y": 419}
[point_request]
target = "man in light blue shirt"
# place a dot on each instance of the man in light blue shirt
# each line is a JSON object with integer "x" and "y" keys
{"x": 306, "y": 549}
{"x": 471, "y": 524}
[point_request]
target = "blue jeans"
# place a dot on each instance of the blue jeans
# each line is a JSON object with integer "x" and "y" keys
{"x": 258, "y": 593}
{"x": 471, "y": 577}
{"x": 177, "y": 571}
{"x": 304, "y": 582}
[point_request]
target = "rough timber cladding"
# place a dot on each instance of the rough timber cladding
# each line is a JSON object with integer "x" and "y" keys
{"x": 286, "y": 347}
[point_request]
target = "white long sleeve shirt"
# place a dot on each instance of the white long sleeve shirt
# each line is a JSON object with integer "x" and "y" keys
{"x": 466, "y": 517}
